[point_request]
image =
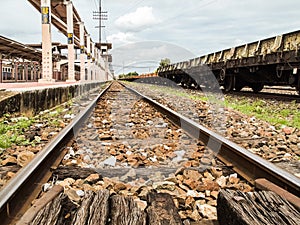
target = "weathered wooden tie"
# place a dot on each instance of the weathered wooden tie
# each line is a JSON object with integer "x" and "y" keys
{"x": 45, "y": 210}
{"x": 255, "y": 208}
{"x": 101, "y": 208}
{"x": 94, "y": 209}
{"x": 82, "y": 173}
{"x": 125, "y": 211}
{"x": 162, "y": 210}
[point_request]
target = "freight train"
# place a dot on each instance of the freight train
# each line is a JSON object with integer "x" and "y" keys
{"x": 272, "y": 61}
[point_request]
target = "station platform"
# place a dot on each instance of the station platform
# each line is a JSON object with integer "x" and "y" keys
{"x": 26, "y": 86}
{"x": 32, "y": 97}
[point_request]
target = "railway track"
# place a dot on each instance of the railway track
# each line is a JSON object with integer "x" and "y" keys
{"x": 100, "y": 141}
{"x": 274, "y": 95}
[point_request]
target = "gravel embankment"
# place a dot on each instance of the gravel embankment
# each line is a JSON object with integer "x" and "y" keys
{"x": 278, "y": 145}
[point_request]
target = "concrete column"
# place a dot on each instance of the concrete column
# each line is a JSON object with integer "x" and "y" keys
{"x": 16, "y": 71}
{"x": 89, "y": 56}
{"x": 1, "y": 76}
{"x": 102, "y": 71}
{"x": 12, "y": 68}
{"x": 34, "y": 72}
{"x": 31, "y": 71}
{"x": 39, "y": 70}
{"x": 106, "y": 67}
{"x": 22, "y": 71}
{"x": 46, "y": 42}
{"x": 55, "y": 71}
{"x": 26, "y": 71}
{"x": 96, "y": 64}
{"x": 82, "y": 54}
{"x": 93, "y": 62}
{"x": 71, "y": 50}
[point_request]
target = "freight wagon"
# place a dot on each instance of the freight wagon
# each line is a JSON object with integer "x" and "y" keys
{"x": 272, "y": 61}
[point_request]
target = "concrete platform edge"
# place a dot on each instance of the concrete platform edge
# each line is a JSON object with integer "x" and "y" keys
{"x": 32, "y": 102}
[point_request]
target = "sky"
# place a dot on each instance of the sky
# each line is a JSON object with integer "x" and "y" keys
{"x": 145, "y": 31}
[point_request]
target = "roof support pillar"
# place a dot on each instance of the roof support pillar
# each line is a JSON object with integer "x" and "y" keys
{"x": 46, "y": 42}
{"x": 106, "y": 63}
{"x": 82, "y": 54}
{"x": 12, "y": 68}
{"x": 36, "y": 72}
{"x": 31, "y": 71}
{"x": 25, "y": 69}
{"x": 1, "y": 78}
{"x": 89, "y": 56}
{"x": 71, "y": 50}
{"x": 16, "y": 71}
{"x": 97, "y": 65}
{"x": 94, "y": 63}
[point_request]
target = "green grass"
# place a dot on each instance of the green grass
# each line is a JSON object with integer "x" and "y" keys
{"x": 180, "y": 92}
{"x": 277, "y": 114}
{"x": 12, "y": 128}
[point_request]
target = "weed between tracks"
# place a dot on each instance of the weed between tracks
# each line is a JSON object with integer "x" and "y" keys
{"x": 14, "y": 129}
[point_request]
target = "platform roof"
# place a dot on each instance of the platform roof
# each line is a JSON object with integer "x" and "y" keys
{"x": 108, "y": 46}
{"x": 54, "y": 44}
{"x": 59, "y": 17}
{"x": 10, "y": 48}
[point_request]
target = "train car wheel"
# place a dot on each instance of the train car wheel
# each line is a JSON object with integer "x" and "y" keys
{"x": 228, "y": 83}
{"x": 298, "y": 90}
{"x": 222, "y": 74}
{"x": 257, "y": 87}
{"x": 298, "y": 86}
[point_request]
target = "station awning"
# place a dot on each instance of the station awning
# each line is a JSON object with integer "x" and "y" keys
{"x": 10, "y": 48}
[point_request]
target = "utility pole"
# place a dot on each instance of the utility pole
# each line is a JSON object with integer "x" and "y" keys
{"x": 100, "y": 15}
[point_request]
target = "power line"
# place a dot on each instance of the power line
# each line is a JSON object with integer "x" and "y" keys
{"x": 136, "y": 3}
{"x": 183, "y": 12}
{"x": 96, "y": 5}
{"x": 138, "y": 67}
{"x": 105, "y": 35}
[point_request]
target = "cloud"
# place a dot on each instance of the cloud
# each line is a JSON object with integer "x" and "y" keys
{"x": 145, "y": 56}
{"x": 121, "y": 38}
{"x": 149, "y": 51}
{"x": 139, "y": 20}
{"x": 23, "y": 27}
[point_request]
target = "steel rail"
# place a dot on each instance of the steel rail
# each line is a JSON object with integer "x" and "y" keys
{"x": 245, "y": 163}
{"x": 267, "y": 95}
{"x": 13, "y": 194}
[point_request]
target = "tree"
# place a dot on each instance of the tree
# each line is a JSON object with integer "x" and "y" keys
{"x": 163, "y": 62}
{"x": 128, "y": 75}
